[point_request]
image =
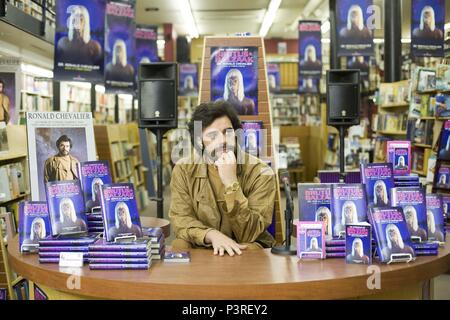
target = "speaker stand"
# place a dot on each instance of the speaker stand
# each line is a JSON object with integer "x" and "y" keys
{"x": 159, "y": 132}
{"x": 342, "y": 172}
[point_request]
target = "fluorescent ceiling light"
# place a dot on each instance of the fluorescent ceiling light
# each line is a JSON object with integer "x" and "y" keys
{"x": 404, "y": 40}
{"x": 269, "y": 17}
{"x": 326, "y": 40}
{"x": 325, "y": 27}
{"x": 186, "y": 11}
{"x": 37, "y": 71}
{"x": 100, "y": 88}
{"x": 378, "y": 40}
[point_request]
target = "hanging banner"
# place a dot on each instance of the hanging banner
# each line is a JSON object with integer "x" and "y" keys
{"x": 120, "y": 47}
{"x": 79, "y": 39}
{"x": 188, "y": 79}
{"x": 234, "y": 77}
{"x": 362, "y": 64}
{"x": 146, "y": 46}
{"x": 273, "y": 77}
{"x": 309, "y": 49}
{"x": 427, "y": 28}
{"x": 309, "y": 85}
{"x": 355, "y": 32}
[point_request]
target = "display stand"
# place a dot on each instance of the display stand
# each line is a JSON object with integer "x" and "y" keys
{"x": 264, "y": 114}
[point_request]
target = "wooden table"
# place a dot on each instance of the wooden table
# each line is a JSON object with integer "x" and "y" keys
{"x": 157, "y": 223}
{"x": 255, "y": 274}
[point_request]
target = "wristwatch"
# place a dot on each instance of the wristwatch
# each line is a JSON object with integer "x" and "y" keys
{"x": 232, "y": 187}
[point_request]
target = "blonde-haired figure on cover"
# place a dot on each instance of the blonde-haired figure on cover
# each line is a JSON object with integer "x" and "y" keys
{"x": 310, "y": 58}
{"x": 357, "y": 255}
{"x": 68, "y": 220}
{"x": 433, "y": 232}
{"x": 123, "y": 223}
{"x": 395, "y": 242}
{"x": 234, "y": 93}
{"x": 355, "y": 24}
{"x": 427, "y": 28}
{"x": 324, "y": 214}
{"x": 401, "y": 163}
{"x": 380, "y": 196}
{"x": 78, "y": 46}
{"x": 119, "y": 69}
{"x": 442, "y": 179}
{"x": 314, "y": 245}
{"x": 349, "y": 215}
{"x": 94, "y": 202}
{"x": 413, "y": 225}
{"x": 37, "y": 232}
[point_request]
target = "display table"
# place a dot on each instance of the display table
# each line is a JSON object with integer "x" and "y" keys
{"x": 255, "y": 274}
{"x": 152, "y": 222}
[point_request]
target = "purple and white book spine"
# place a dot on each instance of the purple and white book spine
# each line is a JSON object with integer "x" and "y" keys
{"x": 119, "y": 260}
{"x": 119, "y": 254}
{"x": 335, "y": 249}
{"x": 336, "y": 255}
{"x": 335, "y": 243}
{"x": 64, "y": 249}
{"x": 56, "y": 260}
{"x": 56, "y": 254}
{"x": 116, "y": 248}
{"x": 426, "y": 252}
{"x": 106, "y": 266}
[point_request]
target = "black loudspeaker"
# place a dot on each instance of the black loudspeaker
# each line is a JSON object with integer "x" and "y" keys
{"x": 343, "y": 97}
{"x": 158, "y": 86}
{"x": 182, "y": 50}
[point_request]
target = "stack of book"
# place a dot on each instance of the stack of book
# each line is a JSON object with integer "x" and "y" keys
{"x": 157, "y": 240}
{"x": 50, "y": 248}
{"x": 411, "y": 180}
{"x": 134, "y": 255}
{"x": 426, "y": 248}
{"x": 335, "y": 248}
{"x": 95, "y": 223}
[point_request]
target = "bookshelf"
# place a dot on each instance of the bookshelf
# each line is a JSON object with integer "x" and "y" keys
{"x": 285, "y": 109}
{"x": 119, "y": 144}
{"x": 105, "y": 105}
{"x": 75, "y": 97}
{"x": 186, "y": 105}
{"x": 36, "y": 94}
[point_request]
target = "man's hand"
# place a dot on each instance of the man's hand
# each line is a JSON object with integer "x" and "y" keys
{"x": 226, "y": 166}
{"x": 222, "y": 243}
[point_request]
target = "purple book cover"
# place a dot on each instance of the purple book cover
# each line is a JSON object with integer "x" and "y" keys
{"x": 119, "y": 254}
{"x": 425, "y": 246}
{"x": 56, "y": 260}
{"x": 311, "y": 239}
{"x": 3, "y": 294}
{"x": 64, "y": 249}
{"x": 399, "y": 154}
{"x": 188, "y": 79}
{"x": 413, "y": 202}
{"x": 348, "y": 205}
{"x": 155, "y": 234}
{"x": 120, "y": 213}
{"x": 94, "y": 217}
{"x": 103, "y": 245}
{"x": 95, "y": 223}
{"x": 427, "y": 252}
{"x": 108, "y": 266}
{"x": 435, "y": 218}
{"x": 442, "y": 177}
{"x": 358, "y": 243}
{"x": 96, "y": 229}
{"x": 55, "y": 241}
{"x": 335, "y": 249}
{"x": 56, "y": 254}
{"x": 335, "y": 243}
{"x": 92, "y": 175}
{"x": 66, "y": 207}
{"x": 273, "y": 77}
{"x": 234, "y": 77}
{"x": 314, "y": 203}
{"x": 391, "y": 234}
{"x": 378, "y": 180}
{"x": 119, "y": 260}
{"x": 252, "y": 137}
{"x": 444, "y": 142}
{"x": 34, "y": 224}
{"x": 445, "y": 205}
{"x": 335, "y": 255}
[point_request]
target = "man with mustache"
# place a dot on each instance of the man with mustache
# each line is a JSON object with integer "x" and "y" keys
{"x": 221, "y": 197}
{"x": 62, "y": 166}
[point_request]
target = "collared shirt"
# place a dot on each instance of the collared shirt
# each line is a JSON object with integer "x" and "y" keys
{"x": 199, "y": 203}
{"x": 59, "y": 168}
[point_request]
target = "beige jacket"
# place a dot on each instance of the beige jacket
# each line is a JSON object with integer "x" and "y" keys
{"x": 194, "y": 209}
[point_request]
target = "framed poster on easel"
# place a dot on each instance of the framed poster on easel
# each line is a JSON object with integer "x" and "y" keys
{"x": 246, "y": 65}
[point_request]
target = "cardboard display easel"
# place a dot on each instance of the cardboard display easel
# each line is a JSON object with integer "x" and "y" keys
{"x": 264, "y": 110}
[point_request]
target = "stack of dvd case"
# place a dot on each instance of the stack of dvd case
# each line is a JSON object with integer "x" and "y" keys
{"x": 51, "y": 247}
{"x": 426, "y": 248}
{"x": 95, "y": 222}
{"x": 130, "y": 255}
{"x": 157, "y": 240}
{"x": 335, "y": 248}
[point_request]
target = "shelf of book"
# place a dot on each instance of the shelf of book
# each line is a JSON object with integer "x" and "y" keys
{"x": 420, "y": 173}
{"x": 17, "y": 198}
{"x": 422, "y": 145}
{"x": 395, "y": 105}
{"x": 392, "y": 133}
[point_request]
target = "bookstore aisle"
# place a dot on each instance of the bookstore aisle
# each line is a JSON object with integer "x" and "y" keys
{"x": 338, "y": 165}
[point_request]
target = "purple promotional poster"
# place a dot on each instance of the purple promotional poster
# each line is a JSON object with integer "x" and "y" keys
{"x": 8, "y": 97}
{"x": 234, "y": 77}
{"x": 120, "y": 213}
{"x": 309, "y": 49}
{"x": 362, "y": 64}
{"x": 435, "y": 218}
{"x": 358, "y": 244}
{"x": 445, "y": 205}
{"x": 314, "y": 203}
{"x": 120, "y": 47}
{"x": 391, "y": 235}
{"x": 188, "y": 79}
{"x": 79, "y": 40}
{"x": 66, "y": 207}
{"x": 252, "y": 137}
{"x": 348, "y": 206}
{"x": 92, "y": 175}
{"x": 442, "y": 178}
{"x": 273, "y": 77}
{"x": 34, "y": 224}
{"x": 146, "y": 47}
{"x": 308, "y": 85}
{"x": 427, "y": 28}
{"x": 444, "y": 142}
{"x": 413, "y": 202}
{"x": 355, "y": 22}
